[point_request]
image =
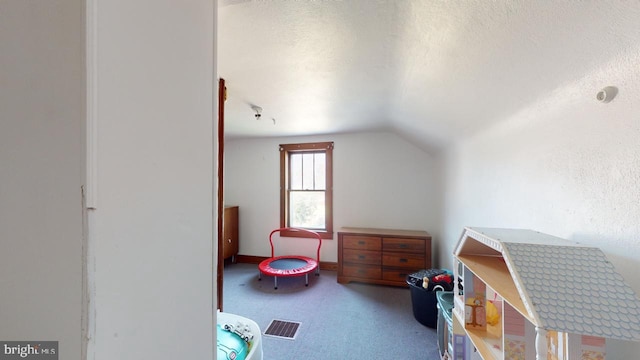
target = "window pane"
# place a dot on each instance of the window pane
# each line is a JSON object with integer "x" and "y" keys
{"x": 296, "y": 172}
{"x": 320, "y": 171}
{"x": 305, "y": 193}
{"x": 307, "y": 209}
{"x": 307, "y": 171}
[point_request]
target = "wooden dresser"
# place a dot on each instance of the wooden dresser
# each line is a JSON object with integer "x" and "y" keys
{"x": 230, "y": 233}
{"x": 381, "y": 256}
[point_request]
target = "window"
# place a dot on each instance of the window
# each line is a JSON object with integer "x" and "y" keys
{"x": 306, "y": 188}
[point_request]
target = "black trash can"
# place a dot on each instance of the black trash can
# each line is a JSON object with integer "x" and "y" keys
{"x": 423, "y": 299}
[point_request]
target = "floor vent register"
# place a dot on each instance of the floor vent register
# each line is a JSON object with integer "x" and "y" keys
{"x": 282, "y": 329}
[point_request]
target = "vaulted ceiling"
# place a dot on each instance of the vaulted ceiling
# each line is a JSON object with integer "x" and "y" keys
{"x": 431, "y": 71}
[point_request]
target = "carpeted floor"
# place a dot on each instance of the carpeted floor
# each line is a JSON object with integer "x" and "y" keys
{"x": 352, "y": 321}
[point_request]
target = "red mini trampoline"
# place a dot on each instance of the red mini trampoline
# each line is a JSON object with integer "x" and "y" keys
{"x": 290, "y": 265}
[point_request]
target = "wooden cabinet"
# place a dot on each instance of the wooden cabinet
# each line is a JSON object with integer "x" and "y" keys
{"x": 381, "y": 256}
{"x": 230, "y": 233}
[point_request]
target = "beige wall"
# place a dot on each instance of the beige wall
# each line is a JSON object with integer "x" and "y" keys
{"x": 150, "y": 235}
{"x": 150, "y": 259}
{"x": 566, "y": 165}
{"x": 41, "y": 171}
{"x": 379, "y": 180}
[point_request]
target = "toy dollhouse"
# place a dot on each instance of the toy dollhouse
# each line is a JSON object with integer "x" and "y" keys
{"x": 524, "y": 295}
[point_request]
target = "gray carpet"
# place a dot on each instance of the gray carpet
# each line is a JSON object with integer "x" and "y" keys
{"x": 352, "y": 321}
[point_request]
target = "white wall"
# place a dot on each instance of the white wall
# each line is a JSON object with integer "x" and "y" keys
{"x": 567, "y": 165}
{"x": 41, "y": 171}
{"x": 379, "y": 181}
{"x": 151, "y": 234}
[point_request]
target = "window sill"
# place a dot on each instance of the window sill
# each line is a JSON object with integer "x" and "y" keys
{"x": 326, "y": 235}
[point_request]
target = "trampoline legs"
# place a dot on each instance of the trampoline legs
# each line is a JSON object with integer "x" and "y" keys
{"x": 275, "y": 278}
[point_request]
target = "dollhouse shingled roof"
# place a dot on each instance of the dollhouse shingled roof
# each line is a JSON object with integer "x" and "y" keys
{"x": 565, "y": 286}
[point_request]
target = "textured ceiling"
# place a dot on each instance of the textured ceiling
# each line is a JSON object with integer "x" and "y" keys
{"x": 431, "y": 71}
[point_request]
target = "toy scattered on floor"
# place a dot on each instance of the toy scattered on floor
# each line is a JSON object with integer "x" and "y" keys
{"x": 440, "y": 282}
{"x": 240, "y": 329}
{"x": 230, "y": 345}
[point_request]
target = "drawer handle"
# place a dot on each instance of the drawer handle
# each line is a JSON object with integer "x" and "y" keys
{"x": 361, "y": 257}
{"x": 403, "y": 246}
{"x": 403, "y": 260}
{"x": 361, "y": 242}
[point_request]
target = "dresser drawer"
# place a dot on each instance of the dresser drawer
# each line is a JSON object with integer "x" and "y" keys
{"x": 362, "y": 242}
{"x": 403, "y": 245}
{"x": 415, "y": 262}
{"x": 362, "y": 271}
{"x": 396, "y": 274}
{"x": 381, "y": 256}
{"x": 362, "y": 256}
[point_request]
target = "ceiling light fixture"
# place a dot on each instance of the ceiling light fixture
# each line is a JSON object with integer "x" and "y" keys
{"x": 258, "y": 111}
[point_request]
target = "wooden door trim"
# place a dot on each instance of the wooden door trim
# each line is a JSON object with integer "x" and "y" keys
{"x": 220, "y": 204}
